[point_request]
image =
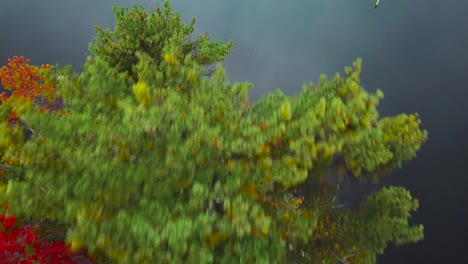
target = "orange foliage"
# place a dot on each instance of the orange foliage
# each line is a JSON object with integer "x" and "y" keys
{"x": 215, "y": 238}
{"x": 264, "y": 126}
{"x": 26, "y": 80}
{"x": 277, "y": 142}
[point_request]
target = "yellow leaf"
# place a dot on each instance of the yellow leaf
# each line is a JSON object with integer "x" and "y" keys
{"x": 285, "y": 111}
{"x": 142, "y": 93}
{"x": 76, "y": 244}
{"x": 169, "y": 59}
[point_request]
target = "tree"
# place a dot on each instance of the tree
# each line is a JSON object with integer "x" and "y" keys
{"x": 27, "y": 83}
{"x": 156, "y": 163}
{"x": 137, "y": 31}
{"x": 27, "y": 241}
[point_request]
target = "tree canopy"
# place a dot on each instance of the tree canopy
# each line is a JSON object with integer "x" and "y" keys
{"x": 151, "y": 161}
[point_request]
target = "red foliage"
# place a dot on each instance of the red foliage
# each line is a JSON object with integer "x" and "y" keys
{"x": 21, "y": 245}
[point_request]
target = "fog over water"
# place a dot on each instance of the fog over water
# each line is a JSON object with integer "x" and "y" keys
{"x": 415, "y": 51}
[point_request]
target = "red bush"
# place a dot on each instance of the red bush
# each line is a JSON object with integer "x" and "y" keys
{"x": 21, "y": 245}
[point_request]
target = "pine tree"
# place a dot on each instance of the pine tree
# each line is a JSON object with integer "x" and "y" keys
{"x": 156, "y": 163}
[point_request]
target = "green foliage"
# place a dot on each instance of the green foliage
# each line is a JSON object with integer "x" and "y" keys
{"x": 137, "y": 30}
{"x": 358, "y": 236}
{"x": 154, "y": 163}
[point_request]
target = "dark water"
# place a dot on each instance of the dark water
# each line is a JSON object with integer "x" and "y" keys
{"x": 415, "y": 51}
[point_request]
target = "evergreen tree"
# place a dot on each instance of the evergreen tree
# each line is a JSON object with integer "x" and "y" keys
{"x": 155, "y": 163}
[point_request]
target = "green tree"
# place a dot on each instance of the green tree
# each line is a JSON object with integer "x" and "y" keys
{"x": 156, "y": 163}
{"x": 137, "y": 31}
